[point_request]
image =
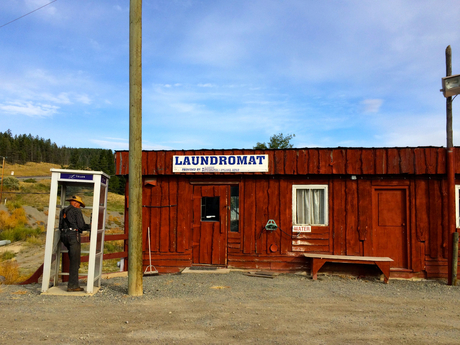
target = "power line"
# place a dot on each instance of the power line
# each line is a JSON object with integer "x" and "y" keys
{"x": 27, "y": 14}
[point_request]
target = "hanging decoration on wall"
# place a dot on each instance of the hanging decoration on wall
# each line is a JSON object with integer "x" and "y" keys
{"x": 271, "y": 225}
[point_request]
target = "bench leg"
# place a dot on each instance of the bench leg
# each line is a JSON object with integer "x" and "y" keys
{"x": 316, "y": 265}
{"x": 385, "y": 268}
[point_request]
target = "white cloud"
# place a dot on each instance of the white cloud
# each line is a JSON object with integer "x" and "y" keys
{"x": 412, "y": 130}
{"x": 112, "y": 144}
{"x": 95, "y": 44}
{"x": 371, "y": 105}
{"x": 123, "y": 144}
{"x": 186, "y": 107}
{"x": 28, "y": 109}
{"x": 83, "y": 99}
{"x": 206, "y": 85}
{"x": 35, "y": 4}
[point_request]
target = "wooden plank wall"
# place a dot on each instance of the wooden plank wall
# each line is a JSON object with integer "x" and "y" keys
{"x": 265, "y": 196}
{"x": 167, "y": 206}
{"x": 314, "y": 161}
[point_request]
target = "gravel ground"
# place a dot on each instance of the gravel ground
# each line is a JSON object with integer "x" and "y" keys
{"x": 236, "y": 309}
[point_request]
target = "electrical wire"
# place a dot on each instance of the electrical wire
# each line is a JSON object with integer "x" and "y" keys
{"x": 1, "y": 26}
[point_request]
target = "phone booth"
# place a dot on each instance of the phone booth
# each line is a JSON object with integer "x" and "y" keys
{"x": 82, "y": 183}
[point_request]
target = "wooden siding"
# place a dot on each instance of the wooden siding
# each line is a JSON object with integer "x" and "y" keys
{"x": 168, "y": 205}
{"x": 313, "y": 161}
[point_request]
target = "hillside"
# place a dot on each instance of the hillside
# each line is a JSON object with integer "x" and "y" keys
{"x": 29, "y": 169}
{"x": 23, "y": 218}
{"x": 22, "y": 151}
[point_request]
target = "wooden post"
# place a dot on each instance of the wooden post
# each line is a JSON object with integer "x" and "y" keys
{"x": 450, "y": 174}
{"x": 135, "y": 287}
{"x": 449, "y": 130}
{"x": 454, "y": 257}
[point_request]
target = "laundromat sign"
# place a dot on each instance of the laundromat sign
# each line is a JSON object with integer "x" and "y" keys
{"x": 223, "y": 163}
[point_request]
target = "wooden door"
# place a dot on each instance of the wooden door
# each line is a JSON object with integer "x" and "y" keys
{"x": 390, "y": 224}
{"x": 210, "y": 222}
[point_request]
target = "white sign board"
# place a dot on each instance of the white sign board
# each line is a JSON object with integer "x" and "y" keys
{"x": 298, "y": 228}
{"x": 220, "y": 163}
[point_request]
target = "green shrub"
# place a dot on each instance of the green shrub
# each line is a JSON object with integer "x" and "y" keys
{"x": 30, "y": 180}
{"x": 41, "y": 187}
{"x": 35, "y": 240}
{"x": 19, "y": 233}
{"x": 13, "y": 205}
{"x": 7, "y": 255}
{"x": 11, "y": 183}
{"x": 113, "y": 247}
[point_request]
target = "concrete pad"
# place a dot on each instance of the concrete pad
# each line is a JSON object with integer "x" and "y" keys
{"x": 61, "y": 290}
{"x": 216, "y": 271}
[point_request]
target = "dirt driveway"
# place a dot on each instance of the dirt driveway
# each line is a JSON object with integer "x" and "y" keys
{"x": 236, "y": 309}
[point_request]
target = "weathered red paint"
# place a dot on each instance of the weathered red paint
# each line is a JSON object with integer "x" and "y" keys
{"x": 354, "y": 176}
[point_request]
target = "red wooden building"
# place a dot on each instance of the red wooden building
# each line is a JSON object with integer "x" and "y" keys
{"x": 211, "y": 207}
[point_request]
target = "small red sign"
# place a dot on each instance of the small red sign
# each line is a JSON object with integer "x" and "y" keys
{"x": 298, "y": 228}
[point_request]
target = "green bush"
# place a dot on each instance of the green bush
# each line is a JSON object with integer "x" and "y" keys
{"x": 113, "y": 247}
{"x": 30, "y": 180}
{"x": 35, "y": 241}
{"x": 13, "y": 205}
{"x": 43, "y": 188}
{"x": 7, "y": 255}
{"x": 11, "y": 183}
{"x": 19, "y": 233}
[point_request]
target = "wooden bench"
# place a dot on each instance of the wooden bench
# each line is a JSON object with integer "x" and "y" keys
{"x": 318, "y": 260}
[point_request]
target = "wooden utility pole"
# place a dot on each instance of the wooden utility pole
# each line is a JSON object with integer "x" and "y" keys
{"x": 135, "y": 287}
{"x": 451, "y": 222}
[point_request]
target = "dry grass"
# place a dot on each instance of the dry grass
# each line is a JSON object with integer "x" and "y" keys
{"x": 116, "y": 202}
{"x": 30, "y": 169}
{"x": 10, "y": 270}
{"x": 35, "y": 193}
{"x": 36, "y": 241}
{"x": 31, "y": 194}
{"x": 16, "y": 219}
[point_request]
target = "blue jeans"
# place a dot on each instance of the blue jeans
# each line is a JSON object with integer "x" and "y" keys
{"x": 71, "y": 239}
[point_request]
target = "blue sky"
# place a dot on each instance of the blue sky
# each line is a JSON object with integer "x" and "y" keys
{"x": 227, "y": 74}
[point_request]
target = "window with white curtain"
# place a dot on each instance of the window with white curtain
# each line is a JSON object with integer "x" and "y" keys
{"x": 457, "y": 205}
{"x": 309, "y": 205}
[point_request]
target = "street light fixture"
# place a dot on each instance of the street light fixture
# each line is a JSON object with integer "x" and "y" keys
{"x": 451, "y": 85}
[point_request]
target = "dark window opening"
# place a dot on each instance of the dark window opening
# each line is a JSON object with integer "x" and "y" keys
{"x": 210, "y": 209}
{"x": 234, "y": 208}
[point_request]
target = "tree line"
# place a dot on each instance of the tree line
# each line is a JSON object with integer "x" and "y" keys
{"x": 20, "y": 149}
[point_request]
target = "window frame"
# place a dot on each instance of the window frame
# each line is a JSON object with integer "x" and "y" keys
{"x": 234, "y": 188}
{"x": 324, "y": 187}
{"x": 457, "y": 205}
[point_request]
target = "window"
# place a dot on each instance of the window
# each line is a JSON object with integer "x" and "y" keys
{"x": 234, "y": 208}
{"x": 457, "y": 205}
{"x": 210, "y": 209}
{"x": 309, "y": 205}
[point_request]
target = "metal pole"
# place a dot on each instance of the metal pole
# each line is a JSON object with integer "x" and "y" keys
{"x": 451, "y": 221}
{"x": 135, "y": 287}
